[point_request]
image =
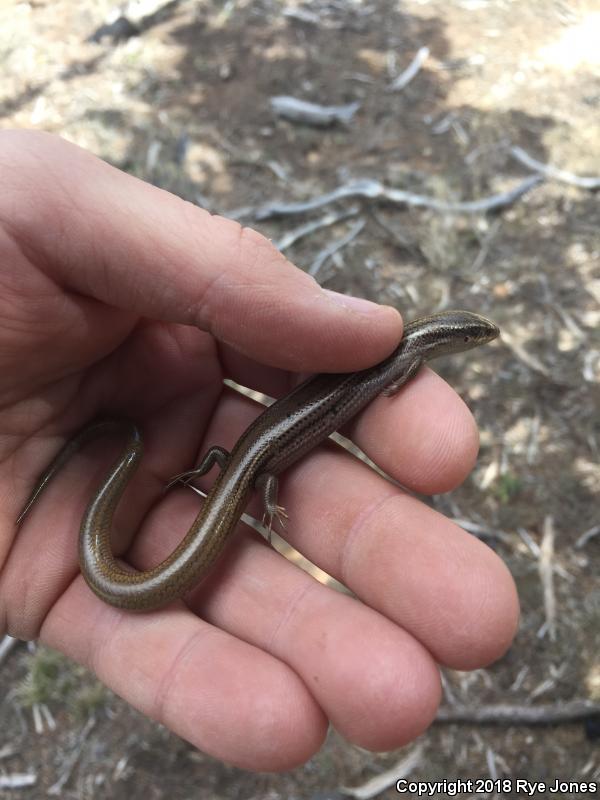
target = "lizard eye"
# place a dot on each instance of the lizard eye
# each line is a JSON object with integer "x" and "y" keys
{"x": 466, "y": 338}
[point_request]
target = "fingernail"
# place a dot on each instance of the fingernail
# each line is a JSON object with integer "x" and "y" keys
{"x": 358, "y": 304}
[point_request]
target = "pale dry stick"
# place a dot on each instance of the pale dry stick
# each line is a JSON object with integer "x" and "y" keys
{"x": 491, "y": 472}
{"x": 221, "y": 19}
{"x": 471, "y": 157}
{"x": 331, "y": 218}
{"x": 336, "y": 246}
{"x": 534, "y": 439}
{"x": 518, "y": 681}
{"x": 546, "y": 570}
{"x": 589, "y": 765}
{"x": 485, "y": 247}
{"x": 444, "y": 290}
{"x": 48, "y": 716}
{"x": 313, "y": 19}
{"x": 447, "y": 691}
{"x": 73, "y": 758}
{"x": 545, "y": 686}
{"x": 396, "y": 237}
{"x": 241, "y": 155}
{"x": 459, "y": 132}
{"x": 38, "y": 725}
{"x": 122, "y": 769}
{"x": 444, "y": 124}
{"x": 358, "y": 76}
{"x": 582, "y": 182}
{"x": 152, "y": 155}
{"x": 504, "y": 714}
{"x": 272, "y": 166}
{"x": 591, "y": 366}
{"x": 317, "y": 115}
{"x": 529, "y": 541}
{"x": 370, "y": 189}
{"x": 8, "y": 751}
{"x": 383, "y": 781}
{"x": 7, "y": 644}
{"x": 18, "y": 780}
{"x": 474, "y": 678}
{"x": 40, "y": 713}
{"x": 302, "y": 15}
{"x": 549, "y": 684}
{"x": 536, "y": 552}
{"x": 401, "y": 81}
{"x": 568, "y": 321}
{"x": 480, "y": 530}
{"x": 586, "y": 536}
{"x": 490, "y": 758}
{"x": 526, "y": 358}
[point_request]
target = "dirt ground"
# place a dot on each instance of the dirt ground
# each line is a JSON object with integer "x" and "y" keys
{"x": 185, "y": 104}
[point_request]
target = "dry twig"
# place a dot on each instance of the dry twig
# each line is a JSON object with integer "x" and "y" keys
{"x": 501, "y": 714}
{"x": 335, "y": 246}
{"x": 586, "y": 536}
{"x": 405, "y": 77}
{"x": 546, "y": 569}
{"x": 69, "y": 764}
{"x": 7, "y": 644}
{"x": 526, "y": 358}
{"x": 381, "y": 782}
{"x": 481, "y": 530}
{"x": 7, "y": 751}
{"x": 587, "y": 182}
{"x": 331, "y": 218}
{"x": 370, "y": 189}
{"x": 18, "y": 780}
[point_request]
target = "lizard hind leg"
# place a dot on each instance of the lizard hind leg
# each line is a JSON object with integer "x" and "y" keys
{"x": 269, "y": 486}
{"x": 214, "y": 455}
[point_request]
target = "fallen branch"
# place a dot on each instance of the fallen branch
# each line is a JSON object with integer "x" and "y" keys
{"x": 549, "y": 714}
{"x": 587, "y": 182}
{"x": 374, "y": 190}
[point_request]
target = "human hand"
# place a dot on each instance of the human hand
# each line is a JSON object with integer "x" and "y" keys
{"x": 121, "y": 299}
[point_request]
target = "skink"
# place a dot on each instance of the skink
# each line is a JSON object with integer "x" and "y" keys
{"x": 283, "y": 433}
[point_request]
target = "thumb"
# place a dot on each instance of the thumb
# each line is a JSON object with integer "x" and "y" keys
{"x": 102, "y": 233}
